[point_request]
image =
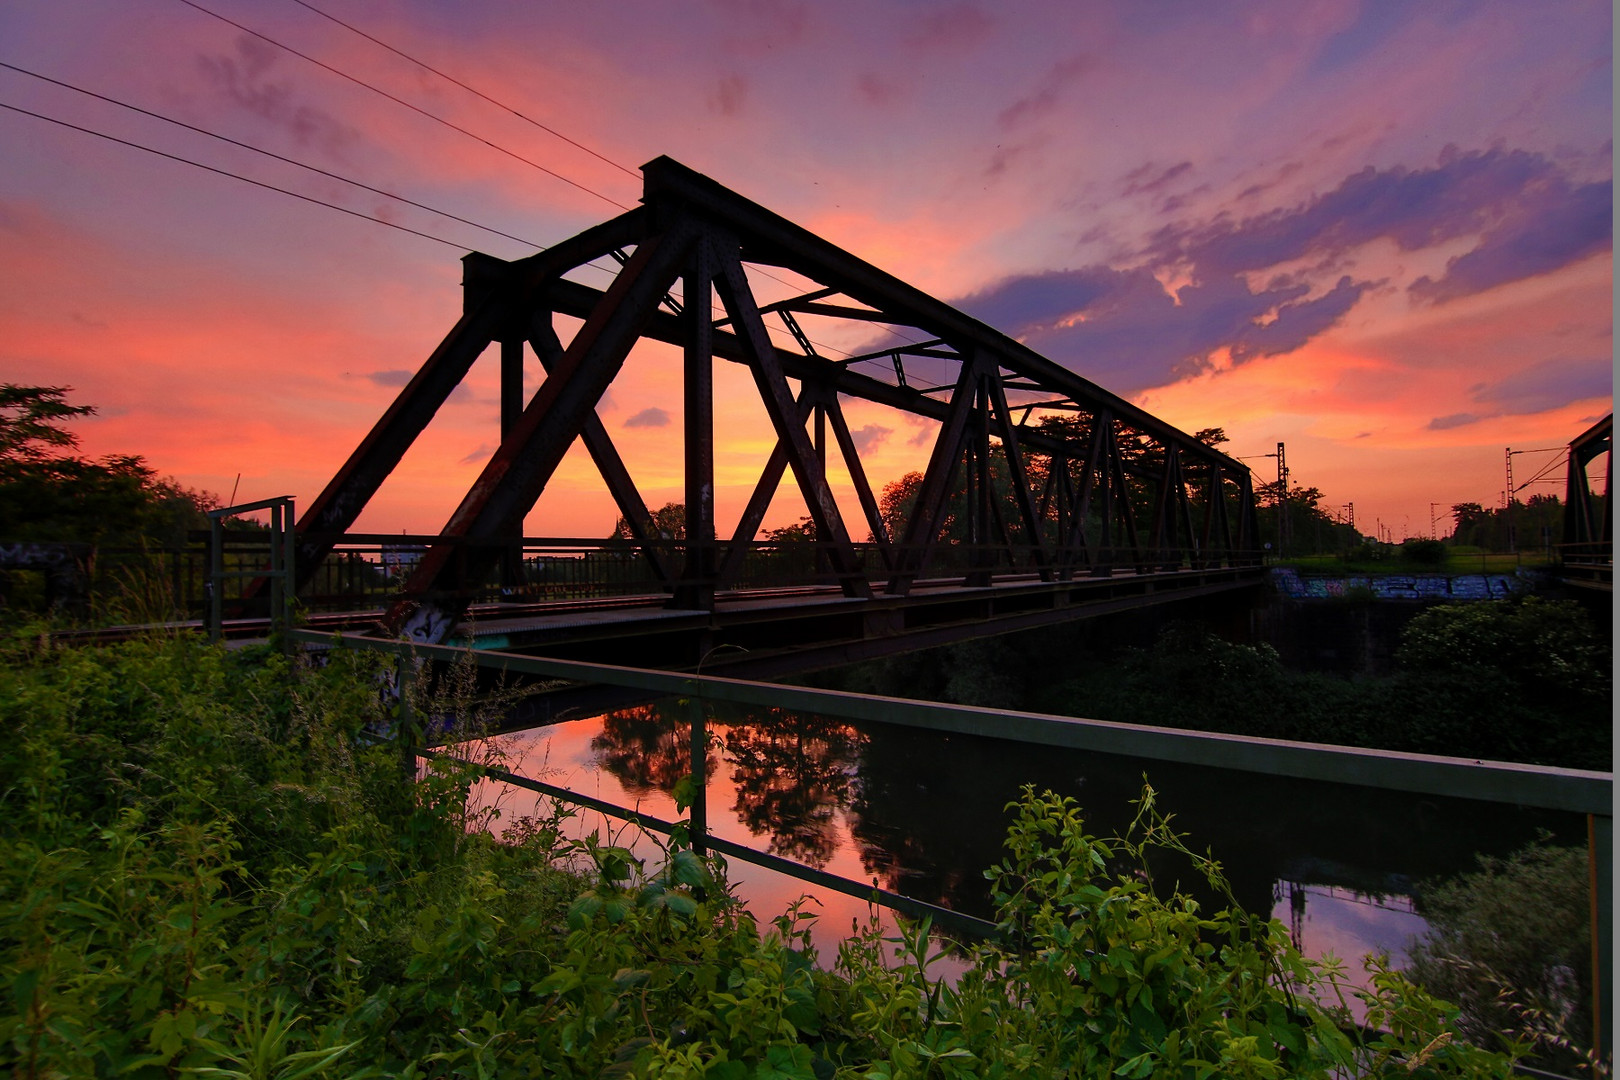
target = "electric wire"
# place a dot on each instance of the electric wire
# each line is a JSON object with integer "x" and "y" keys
{"x": 471, "y": 90}
{"x": 495, "y": 146}
{"x": 348, "y": 180}
{"x": 257, "y": 183}
{"x": 233, "y": 176}
{"x": 401, "y": 101}
{"x": 270, "y": 154}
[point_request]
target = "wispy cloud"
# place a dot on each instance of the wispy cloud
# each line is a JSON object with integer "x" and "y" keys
{"x": 870, "y": 437}
{"x": 1047, "y": 92}
{"x": 1124, "y": 328}
{"x": 653, "y": 417}
{"x": 245, "y": 80}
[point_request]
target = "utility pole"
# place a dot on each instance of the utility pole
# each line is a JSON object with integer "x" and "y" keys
{"x": 1434, "y": 532}
{"x": 1282, "y": 492}
{"x": 1282, "y": 504}
{"x": 1513, "y": 540}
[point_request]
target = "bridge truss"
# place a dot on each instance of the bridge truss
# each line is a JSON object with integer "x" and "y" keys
{"x": 1587, "y": 551}
{"x": 1034, "y": 471}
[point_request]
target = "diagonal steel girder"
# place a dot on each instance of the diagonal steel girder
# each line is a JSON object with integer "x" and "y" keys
{"x": 692, "y": 226}
{"x": 514, "y": 477}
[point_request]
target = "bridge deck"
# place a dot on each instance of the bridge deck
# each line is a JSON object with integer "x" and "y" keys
{"x": 787, "y": 630}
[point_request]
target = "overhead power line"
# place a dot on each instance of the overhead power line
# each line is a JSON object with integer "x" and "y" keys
{"x": 248, "y": 179}
{"x": 233, "y": 176}
{"x": 406, "y": 104}
{"x": 471, "y": 90}
{"x": 455, "y": 127}
{"x": 269, "y": 154}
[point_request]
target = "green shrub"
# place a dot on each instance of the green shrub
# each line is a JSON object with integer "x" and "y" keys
{"x": 1425, "y": 553}
{"x": 1511, "y": 944}
{"x": 210, "y": 867}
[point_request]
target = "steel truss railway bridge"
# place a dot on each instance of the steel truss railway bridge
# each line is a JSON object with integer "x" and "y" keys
{"x": 1045, "y": 497}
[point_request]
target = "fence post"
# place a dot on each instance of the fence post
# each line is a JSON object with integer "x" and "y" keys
{"x": 216, "y": 580}
{"x": 405, "y": 727}
{"x": 1600, "y": 863}
{"x": 699, "y": 761}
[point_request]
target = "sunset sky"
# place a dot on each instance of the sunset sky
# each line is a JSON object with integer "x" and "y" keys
{"x": 1378, "y": 231}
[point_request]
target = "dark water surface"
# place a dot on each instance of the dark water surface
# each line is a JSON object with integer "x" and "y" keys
{"x": 924, "y": 814}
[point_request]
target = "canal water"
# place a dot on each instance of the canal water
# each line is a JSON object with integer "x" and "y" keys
{"x": 924, "y": 813}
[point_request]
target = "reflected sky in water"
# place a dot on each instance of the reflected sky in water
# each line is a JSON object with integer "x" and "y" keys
{"x": 924, "y": 813}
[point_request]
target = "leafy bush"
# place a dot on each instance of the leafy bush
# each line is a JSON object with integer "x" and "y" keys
{"x": 209, "y": 867}
{"x": 1511, "y": 943}
{"x": 1419, "y": 552}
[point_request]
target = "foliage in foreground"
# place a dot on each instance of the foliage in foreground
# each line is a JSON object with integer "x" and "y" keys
{"x": 207, "y": 871}
{"x": 1512, "y": 964}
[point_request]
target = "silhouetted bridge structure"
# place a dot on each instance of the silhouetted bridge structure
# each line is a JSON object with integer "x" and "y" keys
{"x": 1587, "y": 551}
{"x": 1045, "y": 497}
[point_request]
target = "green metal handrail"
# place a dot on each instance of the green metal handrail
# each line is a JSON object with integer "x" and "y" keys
{"x": 279, "y": 573}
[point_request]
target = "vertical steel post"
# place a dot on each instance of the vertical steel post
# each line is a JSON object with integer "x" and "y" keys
{"x": 1600, "y": 864}
{"x": 696, "y": 588}
{"x": 511, "y": 410}
{"x": 698, "y": 759}
{"x": 289, "y": 579}
{"x": 277, "y": 574}
{"x": 216, "y": 580}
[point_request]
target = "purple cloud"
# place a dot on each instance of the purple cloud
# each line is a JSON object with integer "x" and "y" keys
{"x": 479, "y": 455}
{"x": 653, "y": 417}
{"x": 1047, "y": 92}
{"x": 949, "y": 26}
{"x": 1445, "y": 423}
{"x": 1550, "y": 384}
{"x": 1151, "y": 179}
{"x": 1553, "y": 227}
{"x": 1462, "y": 195}
{"x": 729, "y": 95}
{"x": 870, "y": 437}
{"x": 243, "y": 79}
{"x": 1121, "y": 329}
{"x": 394, "y": 377}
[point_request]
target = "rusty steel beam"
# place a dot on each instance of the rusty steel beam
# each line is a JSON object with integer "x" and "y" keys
{"x": 922, "y": 529}
{"x": 696, "y": 589}
{"x": 773, "y": 239}
{"x": 599, "y": 444}
{"x": 486, "y": 316}
{"x": 732, "y": 285}
{"x": 512, "y": 480}
{"x": 1582, "y": 524}
{"x": 691, "y": 227}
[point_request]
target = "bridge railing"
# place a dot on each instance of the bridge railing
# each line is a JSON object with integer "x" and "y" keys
{"x": 1597, "y": 553}
{"x": 368, "y": 570}
{"x": 365, "y": 572}
{"x": 1575, "y": 791}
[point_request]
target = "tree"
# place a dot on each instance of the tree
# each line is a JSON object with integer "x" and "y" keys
{"x": 668, "y": 523}
{"x": 1511, "y": 944}
{"x": 30, "y": 423}
{"x": 49, "y": 493}
{"x": 1526, "y": 526}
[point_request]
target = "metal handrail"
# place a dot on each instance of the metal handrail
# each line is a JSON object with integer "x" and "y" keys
{"x": 1573, "y": 790}
{"x": 279, "y": 573}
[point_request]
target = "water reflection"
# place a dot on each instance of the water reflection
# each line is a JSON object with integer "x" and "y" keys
{"x": 791, "y": 775}
{"x": 648, "y": 748}
{"x": 924, "y": 813}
